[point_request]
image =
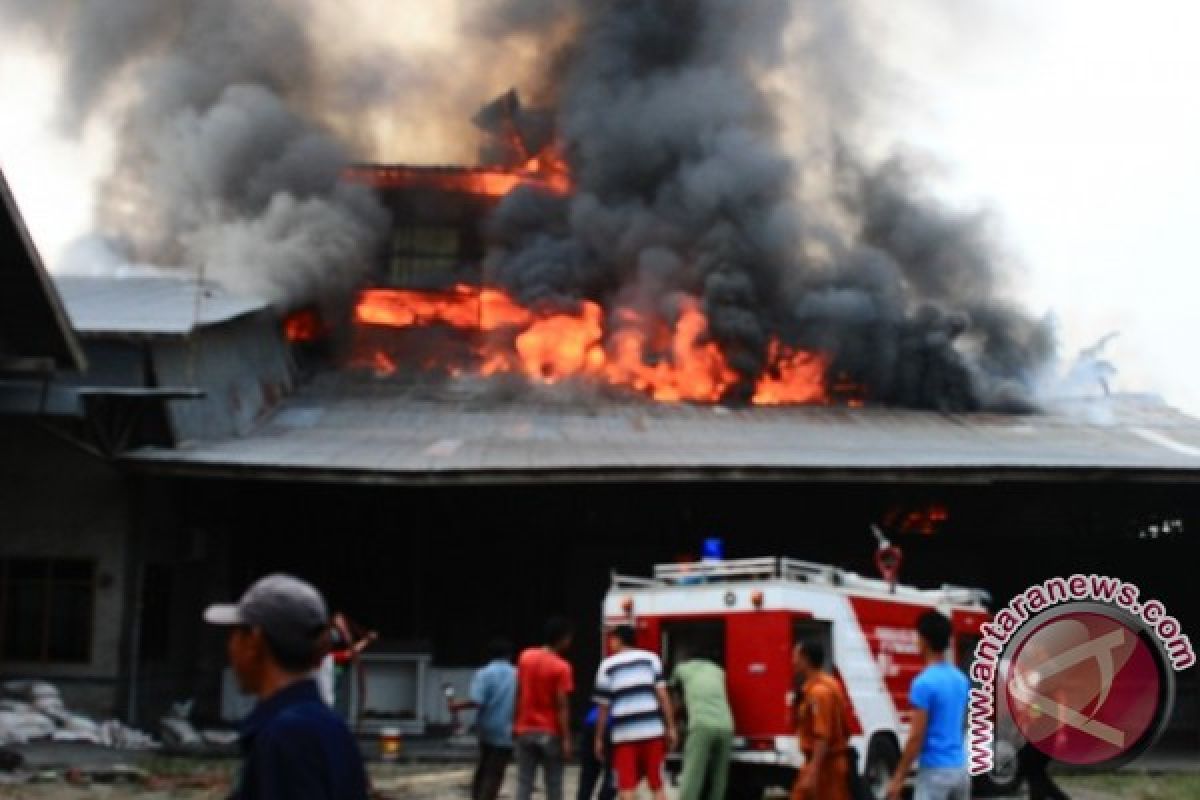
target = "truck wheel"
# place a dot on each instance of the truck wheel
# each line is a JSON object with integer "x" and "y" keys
{"x": 882, "y": 757}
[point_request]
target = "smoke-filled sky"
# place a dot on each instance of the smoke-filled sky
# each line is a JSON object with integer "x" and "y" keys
{"x": 1074, "y": 120}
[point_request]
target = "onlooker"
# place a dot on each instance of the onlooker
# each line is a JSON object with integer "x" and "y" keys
{"x": 493, "y": 696}
{"x": 541, "y": 728}
{"x": 344, "y": 648}
{"x": 937, "y": 736}
{"x": 592, "y": 769}
{"x": 631, "y": 694}
{"x": 709, "y": 741}
{"x": 294, "y": 747}
{"x": 1031, "y": 760}
{"x": 820, "y": 709}
{"x": 1033, "y": 763}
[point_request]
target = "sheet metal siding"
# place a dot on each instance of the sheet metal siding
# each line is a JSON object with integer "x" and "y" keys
{"x": 244, "y": 368}
{"x": 112, "y": 363}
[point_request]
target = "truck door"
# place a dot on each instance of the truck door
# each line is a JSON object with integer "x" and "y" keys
{"x": 684, "y": 639}
{"x": 701, "y": 638}
{"x": 808, "y": 629}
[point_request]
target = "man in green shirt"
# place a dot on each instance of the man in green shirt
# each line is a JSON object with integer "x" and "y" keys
{"x": 701, "y": 684}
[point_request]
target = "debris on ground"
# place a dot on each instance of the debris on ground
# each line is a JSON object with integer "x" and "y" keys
{"x": 34, "y": 710}
{"x": 205, "y": 781}
{"x": 180, "y": 735}
{"x": 219, "y": 738}
{"x": 21, "y": 723}
{"x": 117, "y": 774}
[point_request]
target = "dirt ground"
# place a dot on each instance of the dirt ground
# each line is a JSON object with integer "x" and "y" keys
{"x": 212, "y": 782}
{"x": 190, "y": 781}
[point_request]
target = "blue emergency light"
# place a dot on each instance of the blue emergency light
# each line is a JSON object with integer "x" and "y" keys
{"x": 714, "y": 550}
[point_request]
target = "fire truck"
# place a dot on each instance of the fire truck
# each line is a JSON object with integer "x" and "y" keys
{"x": 749, "y": 613}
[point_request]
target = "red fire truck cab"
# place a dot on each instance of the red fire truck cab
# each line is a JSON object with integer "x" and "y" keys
{"x": 749, "y": 613}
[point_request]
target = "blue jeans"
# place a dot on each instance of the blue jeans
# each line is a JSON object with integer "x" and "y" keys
{"x": 942, "y": 783}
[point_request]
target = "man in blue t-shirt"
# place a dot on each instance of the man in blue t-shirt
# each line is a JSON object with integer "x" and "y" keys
{"x": 493, "y": 696}
{"x": 937, "y": 738}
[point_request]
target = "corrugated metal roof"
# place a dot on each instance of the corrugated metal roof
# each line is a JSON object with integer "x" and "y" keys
{"x": 335, "y": 430}
{"x": 33, "y": 324}
{"x": 148, "y": 305}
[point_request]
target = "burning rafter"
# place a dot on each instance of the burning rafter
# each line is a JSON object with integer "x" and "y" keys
{"x": 669, "y": 361}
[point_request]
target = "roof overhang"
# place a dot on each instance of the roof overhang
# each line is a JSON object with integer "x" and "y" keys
{"x": 35, "y": 333}
{"x": 962, "y": 476}
{"x": 380, "y": 435}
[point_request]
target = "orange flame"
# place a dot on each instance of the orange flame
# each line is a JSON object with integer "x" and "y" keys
{"x": 793, "y": 378}
{"x": 547, "y": 171}
{"x": 463, "y": 307}
{"x": 672, "y": 363}
{"x": 303, "y": 326}
{"x": 696, "y": 370}
{"x": 927, "y": 521}
{"x": 563, "y": 346}
{"x": 377, "y": 361}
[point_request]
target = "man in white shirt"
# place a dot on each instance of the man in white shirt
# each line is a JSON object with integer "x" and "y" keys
{"x": 631, "y": 694}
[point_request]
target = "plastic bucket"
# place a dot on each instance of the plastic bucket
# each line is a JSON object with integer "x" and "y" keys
{"x": 390, "y": 744}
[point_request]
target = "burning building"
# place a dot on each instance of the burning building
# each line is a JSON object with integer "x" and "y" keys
{"x": 436, "y": 302}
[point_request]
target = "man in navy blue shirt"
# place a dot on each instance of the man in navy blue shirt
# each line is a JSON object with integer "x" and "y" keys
{"x": 937, "y": 735}
{"x": 294, "y": 747}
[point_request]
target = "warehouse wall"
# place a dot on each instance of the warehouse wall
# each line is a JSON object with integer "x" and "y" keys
{"x": 58, "y": 502}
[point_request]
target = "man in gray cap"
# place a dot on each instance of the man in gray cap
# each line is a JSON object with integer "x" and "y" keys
{"x": 294, "y": 747}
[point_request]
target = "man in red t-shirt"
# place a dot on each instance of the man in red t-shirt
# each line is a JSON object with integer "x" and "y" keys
{"x": 540, "y": 729}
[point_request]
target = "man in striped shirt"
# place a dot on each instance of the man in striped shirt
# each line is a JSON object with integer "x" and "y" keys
{"x": 631, "y": 694}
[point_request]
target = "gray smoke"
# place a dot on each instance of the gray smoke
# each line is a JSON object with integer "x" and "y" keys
{"x": 224, "y": 164}
{"x": 684, "y": 184}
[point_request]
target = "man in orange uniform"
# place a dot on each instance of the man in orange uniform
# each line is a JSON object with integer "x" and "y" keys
{"x": 821, "y": 724}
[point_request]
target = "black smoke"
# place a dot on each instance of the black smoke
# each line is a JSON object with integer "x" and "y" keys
{"x": 223, "y": 161}
{"x": 684, "y": 184}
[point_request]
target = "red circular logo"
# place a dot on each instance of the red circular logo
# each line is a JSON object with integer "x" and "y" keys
{"x": 1085, "y": 688}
